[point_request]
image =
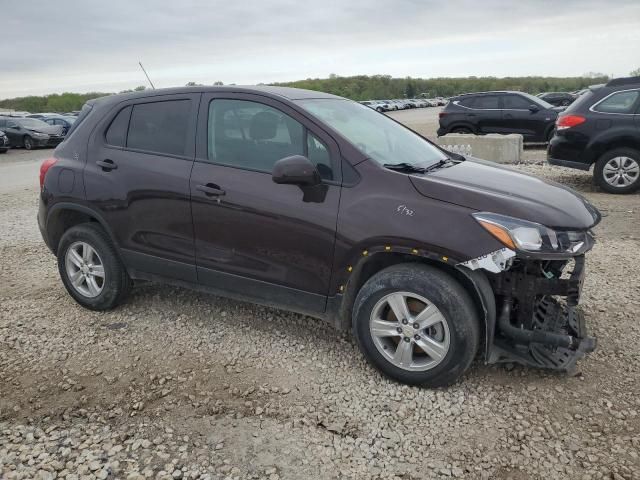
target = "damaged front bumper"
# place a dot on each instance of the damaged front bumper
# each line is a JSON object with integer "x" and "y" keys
{"x": 537, "y": 320}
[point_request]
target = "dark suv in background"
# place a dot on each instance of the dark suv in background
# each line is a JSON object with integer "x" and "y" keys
{"x": 320, "y": 205}
{"x": 558, "y": 99}
{"x": 602, "y": 128}
{"x": 499, "y": 112}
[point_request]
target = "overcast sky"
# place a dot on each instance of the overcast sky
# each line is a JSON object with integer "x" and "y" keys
{"x": 84, "y": 45}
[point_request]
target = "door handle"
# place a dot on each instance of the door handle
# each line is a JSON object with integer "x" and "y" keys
{"x": 211, "y": 190}
{"x": 106, "y": 165}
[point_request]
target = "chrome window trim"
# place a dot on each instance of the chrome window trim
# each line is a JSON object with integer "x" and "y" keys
{"x": 592, "y": 107}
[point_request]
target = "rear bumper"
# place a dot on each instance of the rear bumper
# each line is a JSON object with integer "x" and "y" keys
{"x": 569, "y": 149}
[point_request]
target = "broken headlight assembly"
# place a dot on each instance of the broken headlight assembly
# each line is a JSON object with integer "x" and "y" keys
{"x": 533, "y": 239}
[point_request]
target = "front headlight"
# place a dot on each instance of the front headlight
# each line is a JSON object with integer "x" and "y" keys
{"x": 533, "y": 237}
{"x": 40, "y": 135}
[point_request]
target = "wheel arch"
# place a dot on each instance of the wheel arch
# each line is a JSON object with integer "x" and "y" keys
{"x": 461, "y": 124}
{"x": 376, "y": 259}
{"x": 62, "y": 216}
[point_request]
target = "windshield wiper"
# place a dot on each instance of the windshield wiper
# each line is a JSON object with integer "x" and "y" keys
{"x": 404, "y": 167}
{"x": 438, "y": 164}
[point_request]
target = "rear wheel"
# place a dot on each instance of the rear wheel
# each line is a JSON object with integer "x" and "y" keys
{"x": 461, "y": 130}
{"x": 618, "y": 171}
{"x": 27, "y": 142}
{"x": 417, "y": 325}
{"x": 90, "y": 268}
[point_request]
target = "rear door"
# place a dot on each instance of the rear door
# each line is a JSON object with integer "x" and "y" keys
{"x": 254, "y": 238}
{"x": 137, "y": 178}
{"x": 488, "y": 114}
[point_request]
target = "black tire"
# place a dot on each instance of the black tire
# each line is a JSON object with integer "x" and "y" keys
{"x": 116, "y": 283}
{"x": 461, "y": 130}
{"x": 27, "y": 142}
{"x": 4, "y": 150}
{"x": 599, "y": 173}
{"x": 443, "y": 291}
{"x": 379, "y": 109}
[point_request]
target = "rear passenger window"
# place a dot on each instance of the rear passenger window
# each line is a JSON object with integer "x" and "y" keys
{"x": 160, "y": 127}
{"x": 485, "y": 103}
{"x": 117, "y": 132}
{"x": 621, "y": 102}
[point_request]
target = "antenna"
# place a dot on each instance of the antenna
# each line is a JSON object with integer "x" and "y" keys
{"x": 145, "y": 72}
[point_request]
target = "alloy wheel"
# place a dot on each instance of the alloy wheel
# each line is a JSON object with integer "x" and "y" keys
{"x": 621, "y": 171}
{"x": 85, "y": 269}
{"x": 409, "y": 331}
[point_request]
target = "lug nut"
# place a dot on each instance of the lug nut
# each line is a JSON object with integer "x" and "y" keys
{"x": 416, "y": 325}
{"x": 407, "y": 339}
{"x": 399, "y": 330}
{"x": 417, "y": 337}
{"x": 404, "y": 321}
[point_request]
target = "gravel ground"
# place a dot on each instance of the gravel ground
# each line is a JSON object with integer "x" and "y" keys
{"x": 177, "y": 384}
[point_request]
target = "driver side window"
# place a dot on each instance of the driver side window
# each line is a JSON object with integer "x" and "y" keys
{"x": 254, "y": 136}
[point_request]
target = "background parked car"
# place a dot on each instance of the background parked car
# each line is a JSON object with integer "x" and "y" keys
{"x": 499, "y": 112}
{"x": 376, "y": 105}
{"x": 559, "y": 99}
{"x": 63, "y": 121}
{"x": 30, "y": 132}
{"x": 42, "y": 115}
{"x": 4, "y": 142}
{"x": 602, "y": 128}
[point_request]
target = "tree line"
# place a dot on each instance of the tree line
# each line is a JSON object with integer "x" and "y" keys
{"x": 359, "y": 87}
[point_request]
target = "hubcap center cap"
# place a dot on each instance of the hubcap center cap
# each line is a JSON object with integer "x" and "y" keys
{"x": 408, "y": 330}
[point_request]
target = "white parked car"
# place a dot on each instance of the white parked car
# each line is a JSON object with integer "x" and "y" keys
{"x": 377, "y": 105}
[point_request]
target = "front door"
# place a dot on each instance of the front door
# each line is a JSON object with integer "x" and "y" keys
{"x": 254, "y": 238}
{"x": 519, "y": 118}
{"x": 137, "y": 178}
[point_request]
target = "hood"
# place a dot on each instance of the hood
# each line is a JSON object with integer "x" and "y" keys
{"x": 49, "y": 129}
{"x": 484, "y": 186}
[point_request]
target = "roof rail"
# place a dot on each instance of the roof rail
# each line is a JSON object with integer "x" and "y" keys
{"x": 616, "y": 82}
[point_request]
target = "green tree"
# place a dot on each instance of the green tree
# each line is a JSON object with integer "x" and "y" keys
{"x": 635, "y": 73}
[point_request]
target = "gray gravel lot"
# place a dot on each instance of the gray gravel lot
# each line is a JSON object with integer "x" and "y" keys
{"x": 177, "y": 384}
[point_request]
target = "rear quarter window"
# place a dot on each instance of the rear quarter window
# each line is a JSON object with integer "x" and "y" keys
{"x": 84, "y": 113}
{"x": 116, "y": 134}
{"x": 620, "y": 102}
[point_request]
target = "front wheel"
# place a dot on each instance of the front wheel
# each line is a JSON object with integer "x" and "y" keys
{"x": 618, "y": 171}
{"x": 90, "y": 268}
{"x": 27, "y": 141}
{"x": 417, "y": 325}
{"x": 461, "y": 130}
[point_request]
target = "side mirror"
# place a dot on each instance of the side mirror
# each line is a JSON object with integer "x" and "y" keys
{"x": 534, "y": 108}
{"x": 296, "y": 170}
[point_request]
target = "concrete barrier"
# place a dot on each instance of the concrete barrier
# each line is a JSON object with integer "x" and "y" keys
{"x": 494, "y": 147}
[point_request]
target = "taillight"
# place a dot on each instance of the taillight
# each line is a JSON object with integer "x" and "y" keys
{"x": 441, "y": 114}
{"x": 568, "y": 121}
{"x": 44, "y": 168}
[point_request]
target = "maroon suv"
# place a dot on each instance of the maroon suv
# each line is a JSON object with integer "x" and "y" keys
{"x": 320, "y": 205}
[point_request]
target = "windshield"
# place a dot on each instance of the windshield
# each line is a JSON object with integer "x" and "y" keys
{"x": 31, "y": 123}
{"x": 374, "y": 134}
